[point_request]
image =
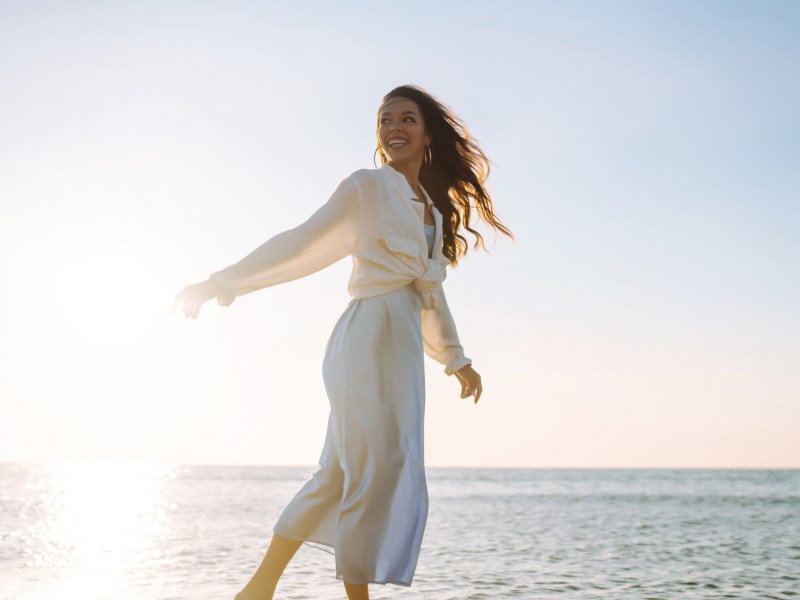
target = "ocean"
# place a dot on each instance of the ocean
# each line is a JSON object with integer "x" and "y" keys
{"x": 156, "y": 531}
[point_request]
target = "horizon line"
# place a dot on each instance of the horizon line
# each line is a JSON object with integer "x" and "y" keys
{"x": 452, "y": 467}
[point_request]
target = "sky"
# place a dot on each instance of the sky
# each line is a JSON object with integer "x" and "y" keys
{"x": 644, "y": 154}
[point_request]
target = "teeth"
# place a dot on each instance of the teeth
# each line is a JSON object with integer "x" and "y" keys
{"x": 397, "y": 142}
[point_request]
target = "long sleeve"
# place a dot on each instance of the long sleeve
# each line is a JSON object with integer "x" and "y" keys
{"x": 440, "y": 338}
{"x": 328, "y": 235}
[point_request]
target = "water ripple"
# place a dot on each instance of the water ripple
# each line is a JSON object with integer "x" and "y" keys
{"x": 138, "y": 531}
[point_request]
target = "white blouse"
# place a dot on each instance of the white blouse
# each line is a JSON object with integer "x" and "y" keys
{"x": 372, "y": 218}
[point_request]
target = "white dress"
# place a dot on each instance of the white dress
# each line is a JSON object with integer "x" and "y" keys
{"x": 368, "y": 498}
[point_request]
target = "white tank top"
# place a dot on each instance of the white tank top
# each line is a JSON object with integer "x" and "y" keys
{"x": 430, "y": 234}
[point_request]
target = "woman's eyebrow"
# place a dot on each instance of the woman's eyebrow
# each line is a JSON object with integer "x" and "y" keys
{"x": 405, "y": 112}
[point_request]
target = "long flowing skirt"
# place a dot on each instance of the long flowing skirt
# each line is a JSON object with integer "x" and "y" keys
{"x": 368, "y": 499}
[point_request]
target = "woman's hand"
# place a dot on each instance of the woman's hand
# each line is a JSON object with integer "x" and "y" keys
{"x": 470, "y": 382}
{"x": 193, "y": 297}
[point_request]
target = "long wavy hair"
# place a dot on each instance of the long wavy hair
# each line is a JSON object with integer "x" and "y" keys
{"x": 456, "y": 175}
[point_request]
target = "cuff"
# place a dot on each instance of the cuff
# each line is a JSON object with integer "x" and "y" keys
{"x": 226, "y": 293}
{"x": 456, "y": 364}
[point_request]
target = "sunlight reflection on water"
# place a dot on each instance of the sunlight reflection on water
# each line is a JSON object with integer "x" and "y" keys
{"x": 93, "y": 524}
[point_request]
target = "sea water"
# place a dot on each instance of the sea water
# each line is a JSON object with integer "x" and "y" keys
{"x": 156, "y": 531}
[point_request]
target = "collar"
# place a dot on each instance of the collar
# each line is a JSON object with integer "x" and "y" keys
{"x": 402, "y": 185}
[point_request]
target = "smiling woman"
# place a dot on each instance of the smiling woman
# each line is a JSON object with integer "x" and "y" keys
{"x": 368, "y": 499}
{"x": 431, "y": 146}
{"x": 411, "y": 139}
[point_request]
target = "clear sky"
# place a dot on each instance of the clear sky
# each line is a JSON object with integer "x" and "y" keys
{"x": 645, "y": 154}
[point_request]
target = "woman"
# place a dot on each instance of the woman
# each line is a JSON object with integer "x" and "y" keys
{"x": 368, "y": 499}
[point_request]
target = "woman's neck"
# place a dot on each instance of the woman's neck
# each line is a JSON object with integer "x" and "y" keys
{"x": 411, "y": 173}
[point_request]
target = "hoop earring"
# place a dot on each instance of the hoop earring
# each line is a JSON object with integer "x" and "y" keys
{"x": 373, "y": 156}
{"x": 428, "y": 156}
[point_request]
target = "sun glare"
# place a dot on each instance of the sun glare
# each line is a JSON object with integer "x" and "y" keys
{"x": 107, "y": 518}
{"x": 106, "y": 302}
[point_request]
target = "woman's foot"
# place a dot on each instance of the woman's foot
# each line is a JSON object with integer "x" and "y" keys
{"x": 246, "y": 594}
{"x": 357, "y": 591}
{"x": 263, "y": 583}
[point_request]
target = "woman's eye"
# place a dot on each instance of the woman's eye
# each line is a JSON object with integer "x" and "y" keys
{"x": 384, "y": 121}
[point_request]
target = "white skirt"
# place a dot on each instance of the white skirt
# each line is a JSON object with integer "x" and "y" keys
{"x": 368, "y": 499}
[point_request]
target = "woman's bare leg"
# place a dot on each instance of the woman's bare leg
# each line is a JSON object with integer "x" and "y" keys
{"x": 357, "y": 591}
{"x": 263, "y": 583}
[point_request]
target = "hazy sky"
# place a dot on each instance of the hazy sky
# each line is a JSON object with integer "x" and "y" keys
{"x": 645, "y": 154}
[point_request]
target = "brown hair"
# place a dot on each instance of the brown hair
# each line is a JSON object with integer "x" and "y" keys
{"x": 456, "y": 175}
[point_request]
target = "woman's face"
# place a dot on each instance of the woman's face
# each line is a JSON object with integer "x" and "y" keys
{"x": 401, "y": 132}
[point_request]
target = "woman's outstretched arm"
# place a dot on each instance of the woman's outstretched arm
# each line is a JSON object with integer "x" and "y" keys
{"x": 327, "y": 236}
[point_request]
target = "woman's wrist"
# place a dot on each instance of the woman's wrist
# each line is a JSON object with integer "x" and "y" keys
{"x": 224, "y": 294}
{"x": 456, "y": 364}
{"x": 215, "y": 288}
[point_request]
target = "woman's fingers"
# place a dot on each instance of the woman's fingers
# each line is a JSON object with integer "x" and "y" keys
{"x": 177, "y": 301}
{"x": 466, "y": 386}
{"x": 193, "y": 309}
{"x": 471, "y": 386}
{"x": 188, "y": 302}
{"x": 184, "y": 304}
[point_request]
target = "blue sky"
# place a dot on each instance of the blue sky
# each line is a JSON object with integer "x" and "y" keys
{"x": 644, "y": 154}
